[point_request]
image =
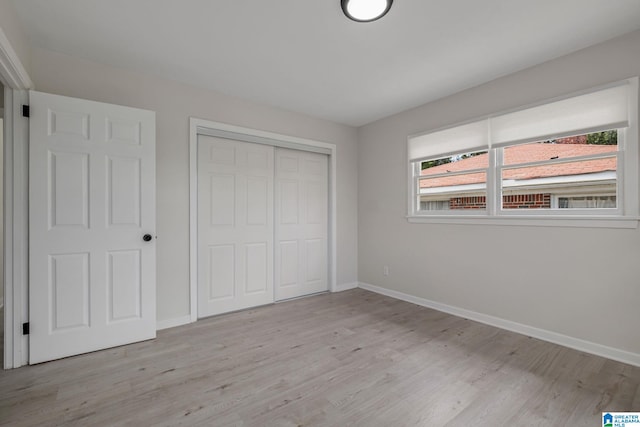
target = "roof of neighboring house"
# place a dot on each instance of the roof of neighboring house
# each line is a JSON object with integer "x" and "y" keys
{"x": 524, "y": 154}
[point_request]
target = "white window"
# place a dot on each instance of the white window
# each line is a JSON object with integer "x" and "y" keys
{"x": 571, "y": 158}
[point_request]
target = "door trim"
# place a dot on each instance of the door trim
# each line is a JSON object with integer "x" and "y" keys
{"x": 239, "y": 133}
{"x": 16, "y": 228}
{"x": 16, "y": 80}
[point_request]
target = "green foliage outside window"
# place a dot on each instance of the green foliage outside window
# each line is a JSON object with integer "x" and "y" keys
{"x": 609, "y": 137}
{"x": 437, "y": 162}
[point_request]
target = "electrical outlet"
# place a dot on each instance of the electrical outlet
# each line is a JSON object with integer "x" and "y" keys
{"x": 385, "y": 270}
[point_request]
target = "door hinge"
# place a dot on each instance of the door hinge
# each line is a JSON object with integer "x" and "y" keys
{"x": 25, "y": 111}
{"x": 25, "y": 328}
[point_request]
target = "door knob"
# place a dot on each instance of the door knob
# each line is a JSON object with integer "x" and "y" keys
{"x": 147, "y": 237}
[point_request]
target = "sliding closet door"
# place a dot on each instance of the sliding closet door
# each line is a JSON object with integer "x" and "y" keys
{"x": 235, "y": 225}
{"x": 301, "y": 214}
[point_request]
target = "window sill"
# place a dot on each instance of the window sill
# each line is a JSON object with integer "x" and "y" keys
{"x": 529, "y": 221}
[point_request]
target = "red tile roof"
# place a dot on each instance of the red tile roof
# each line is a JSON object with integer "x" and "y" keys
{"x": 524, "y": 154}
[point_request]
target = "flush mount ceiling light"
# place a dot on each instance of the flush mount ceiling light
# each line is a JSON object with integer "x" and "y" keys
{"x": 365, "y": 10}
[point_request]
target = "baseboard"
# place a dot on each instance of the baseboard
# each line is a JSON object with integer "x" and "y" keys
{"x": 545, "y": 335}
{"x": 346, "y": 286}
{"x": 172, "y": 323}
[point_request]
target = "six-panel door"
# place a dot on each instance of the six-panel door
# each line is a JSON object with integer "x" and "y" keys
{"x": 302, "y": 211}
{"x": 91, "y": 200}
{"x": 235, "y": 225}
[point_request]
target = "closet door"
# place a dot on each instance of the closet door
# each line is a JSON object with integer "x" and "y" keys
{"x": 301, "y": 215}
{"x": 235, "y": 225}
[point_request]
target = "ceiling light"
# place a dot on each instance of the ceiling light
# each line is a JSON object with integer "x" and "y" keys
{"x": 365, "y": 10}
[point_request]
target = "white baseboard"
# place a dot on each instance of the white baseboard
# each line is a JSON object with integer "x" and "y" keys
{"x": 554, "y": 337}
{"x": 172, "y": 323}
{"x": 346, "y": 286}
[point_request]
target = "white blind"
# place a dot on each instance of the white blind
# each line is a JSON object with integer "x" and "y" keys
{"x": 459, "y": 139}
{"x": 602, "y": 110}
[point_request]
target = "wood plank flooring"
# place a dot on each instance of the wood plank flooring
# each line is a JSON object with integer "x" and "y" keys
{"x": 349, "y": 359}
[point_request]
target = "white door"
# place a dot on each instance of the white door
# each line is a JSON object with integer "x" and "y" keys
{"x": 235, "y": 225}
{"x": 301, "y": 211}
{"x": 92, "y": 275}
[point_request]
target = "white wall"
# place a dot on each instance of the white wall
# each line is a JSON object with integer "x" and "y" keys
{"x": 174, "y": 103}
{"x": 584, "y": 283}
{"x": 10, "y": 25}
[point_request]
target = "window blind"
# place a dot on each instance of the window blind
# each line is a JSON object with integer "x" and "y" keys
{"x": 601, "y": 110}
{"x": 592, "y": 112}
{"x": 460, "y": 139}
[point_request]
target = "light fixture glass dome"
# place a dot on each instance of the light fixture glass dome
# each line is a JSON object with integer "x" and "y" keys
{"x": 365, "y": 10}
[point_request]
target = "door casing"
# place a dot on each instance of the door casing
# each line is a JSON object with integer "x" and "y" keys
{"x": 238, "y": 133}
{"x": 16, "y": 245}
{"x": 16, "y": 82}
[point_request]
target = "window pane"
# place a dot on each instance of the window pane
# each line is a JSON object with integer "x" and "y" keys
{"x": 457, "y": 163}
{"x": 535, "y": 187}
{"x": 444, "y": 185}
{"x": 465, "y": 191}
{"x": 587, "y": 202}
{"x": 443, "y": 182}
{"x": 462, "y": 202}
{"x": 562, "y": 148}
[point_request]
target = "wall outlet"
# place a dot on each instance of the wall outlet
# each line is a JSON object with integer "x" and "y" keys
{"x": 385, "y": 270}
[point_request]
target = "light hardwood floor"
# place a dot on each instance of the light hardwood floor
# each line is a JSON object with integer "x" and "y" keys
{"x": 349, "y": 359}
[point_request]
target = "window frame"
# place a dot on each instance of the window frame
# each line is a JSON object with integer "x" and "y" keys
{"x": 625, "y": 215}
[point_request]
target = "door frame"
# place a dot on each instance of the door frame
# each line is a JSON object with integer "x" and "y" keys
{"x": 239, "y": 133}
{"x": 16, "y": 82}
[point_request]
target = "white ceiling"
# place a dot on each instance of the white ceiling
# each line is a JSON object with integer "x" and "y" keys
{"x": 305, "y": 56}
